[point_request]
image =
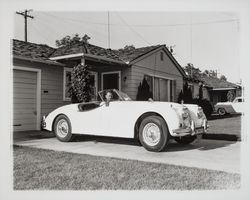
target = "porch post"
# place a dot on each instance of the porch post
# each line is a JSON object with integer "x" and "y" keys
{"x": 83, "y": 60}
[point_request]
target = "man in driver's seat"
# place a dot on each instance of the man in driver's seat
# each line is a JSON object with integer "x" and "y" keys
{"x": 108, "y": 97}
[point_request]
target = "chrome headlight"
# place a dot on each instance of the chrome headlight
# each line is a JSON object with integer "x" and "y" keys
{"x": 186, "y": 117}
{"x": 200, "y": 113}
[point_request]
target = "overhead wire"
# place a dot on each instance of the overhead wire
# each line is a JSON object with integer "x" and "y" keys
{"x": 140, "y": 25}
{"x": 139, "y": 35}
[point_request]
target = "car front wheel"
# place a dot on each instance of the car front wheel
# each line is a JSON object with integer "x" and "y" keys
{"x": 62, "y": 128}
{"x": 153, "y": 133}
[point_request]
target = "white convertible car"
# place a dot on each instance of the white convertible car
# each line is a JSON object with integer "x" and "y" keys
{"x": 116, "y": 115}
{"x": 223, "y": 108}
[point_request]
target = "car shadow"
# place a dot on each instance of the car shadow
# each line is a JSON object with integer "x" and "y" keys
{"x": 216, "y": 116}
{"x": 114, "y": 140}
{"x": 202, "y": 145}
{"x": 173, "y": 146}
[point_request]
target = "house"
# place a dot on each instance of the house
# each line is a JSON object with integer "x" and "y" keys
{"x": 218, "y": 89}
{"x": 42, "y": 75}
{"x": 214, "y": 89}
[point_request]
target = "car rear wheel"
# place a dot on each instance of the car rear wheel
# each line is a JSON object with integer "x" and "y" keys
{"x": 185, "y": 139}
{"x": 221, "y": 111}
{"x": 62, "y": 128}
{"x": 153, "y": 133}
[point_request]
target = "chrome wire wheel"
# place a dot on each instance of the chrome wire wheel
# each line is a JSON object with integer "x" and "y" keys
{"x": 151, "y": 134}
{"x": 62, "y": 128}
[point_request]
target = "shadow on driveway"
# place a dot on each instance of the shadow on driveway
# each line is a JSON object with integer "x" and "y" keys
{"x": 173, "y": 146}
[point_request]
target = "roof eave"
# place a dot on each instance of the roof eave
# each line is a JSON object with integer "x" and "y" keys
{"x": 90, "y": 56}
{"x": 38, "y": 60}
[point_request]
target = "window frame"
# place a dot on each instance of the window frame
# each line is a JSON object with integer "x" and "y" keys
{"x": 168, "y": 85}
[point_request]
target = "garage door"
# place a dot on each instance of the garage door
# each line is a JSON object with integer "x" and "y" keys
{"x": 24, "y": 100}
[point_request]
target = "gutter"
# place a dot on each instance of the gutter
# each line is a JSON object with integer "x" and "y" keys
{"x": 86, "y": 55}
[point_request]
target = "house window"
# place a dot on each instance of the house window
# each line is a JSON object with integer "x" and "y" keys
{"x": 163, "y": 89}
{"x": 67, "y": 84}
{"x": 162, "y": 56}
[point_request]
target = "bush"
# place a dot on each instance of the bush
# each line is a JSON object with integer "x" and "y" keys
{"x": 80, "y": 90}
{"x": 144, "y": 93}
{"x": 206, "y": 106}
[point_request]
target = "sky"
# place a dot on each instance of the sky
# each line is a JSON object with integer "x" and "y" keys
{"x": 208, "y": 40}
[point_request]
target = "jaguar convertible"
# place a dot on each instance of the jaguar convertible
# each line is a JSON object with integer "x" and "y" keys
{"x": 153, "y": 123}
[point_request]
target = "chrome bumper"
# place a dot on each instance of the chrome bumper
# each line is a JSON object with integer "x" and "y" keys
{"x": 43, "y": 123}
{"x": 192, "y": 130}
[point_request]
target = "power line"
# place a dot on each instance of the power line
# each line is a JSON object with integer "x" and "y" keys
{"x": 132, "y": 29}
{"x": 108, "y": 31}
{"x": 142, "y": 25}
{"x": 25, "y": 15}
{"x": 39, "y": 33}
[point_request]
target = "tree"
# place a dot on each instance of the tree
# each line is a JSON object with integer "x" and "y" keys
{"x": 144, "y": 93}
{"x": 127, "y": 48}
{"x": 223, "y": 77}
{"x": 192, "y": 71}
{"x": 80, "y": 90}
{"x": 67, "y": 40}
{"x": 200, "y": 92}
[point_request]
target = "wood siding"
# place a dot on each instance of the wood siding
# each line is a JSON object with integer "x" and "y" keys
{"x": 152, "y": 65}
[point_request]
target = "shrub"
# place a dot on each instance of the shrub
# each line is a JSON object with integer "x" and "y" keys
{"x": 144, "y": 93}
{"x": 206, "y": 106}
{"x": 80, "y": 90}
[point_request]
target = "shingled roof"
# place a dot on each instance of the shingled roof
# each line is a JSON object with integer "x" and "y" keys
{"x": 41, "y": 52}
{"x": 32, "y": 50}
{"x": 124, "y": 55}
{"x": 216, "y": 83}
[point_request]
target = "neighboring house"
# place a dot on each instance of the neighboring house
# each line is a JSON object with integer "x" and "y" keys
{"x": 42, "y": 75}
{"x": 218, "y": 89}
{"x": 214, "y": 89}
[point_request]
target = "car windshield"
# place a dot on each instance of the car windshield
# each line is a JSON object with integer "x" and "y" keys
{"x": 114, "y": 95}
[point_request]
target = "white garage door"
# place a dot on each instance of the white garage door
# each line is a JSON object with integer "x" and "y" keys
{"x": 24, "y": 100}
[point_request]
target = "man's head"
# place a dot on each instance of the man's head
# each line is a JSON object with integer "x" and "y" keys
{"x": 108, "y": 96}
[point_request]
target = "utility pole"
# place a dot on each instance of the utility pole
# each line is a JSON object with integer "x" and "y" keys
{"x": 108, "y": 31}
{"x": 25, "y": 15}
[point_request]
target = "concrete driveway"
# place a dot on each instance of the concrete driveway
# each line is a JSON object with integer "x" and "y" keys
{"x": 208, "y": 154}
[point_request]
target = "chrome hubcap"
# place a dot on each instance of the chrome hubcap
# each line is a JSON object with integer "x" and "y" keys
{"x": 62, "y": 128}
{"x": 151, "y": 134}
{"x": 221, "y": 111}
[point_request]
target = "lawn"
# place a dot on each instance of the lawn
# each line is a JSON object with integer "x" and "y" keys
{"x": 37, "y": 169}
{"x": 227, "y": 127}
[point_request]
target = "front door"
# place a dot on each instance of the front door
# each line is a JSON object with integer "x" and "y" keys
{"x": 111, "y": 80}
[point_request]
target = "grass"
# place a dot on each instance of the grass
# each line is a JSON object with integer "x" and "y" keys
{"x": 224, "y": 128}
{"x": 37, "y": 169}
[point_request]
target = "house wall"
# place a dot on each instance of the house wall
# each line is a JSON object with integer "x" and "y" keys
{"x": 100, "y": 68}
{"x": 51, "y": 84}
{"x": 152, "y": 65}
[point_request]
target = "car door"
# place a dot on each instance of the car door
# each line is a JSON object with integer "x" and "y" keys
{"x": 114, "y": 121}
{"x": 87, "y": 121}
